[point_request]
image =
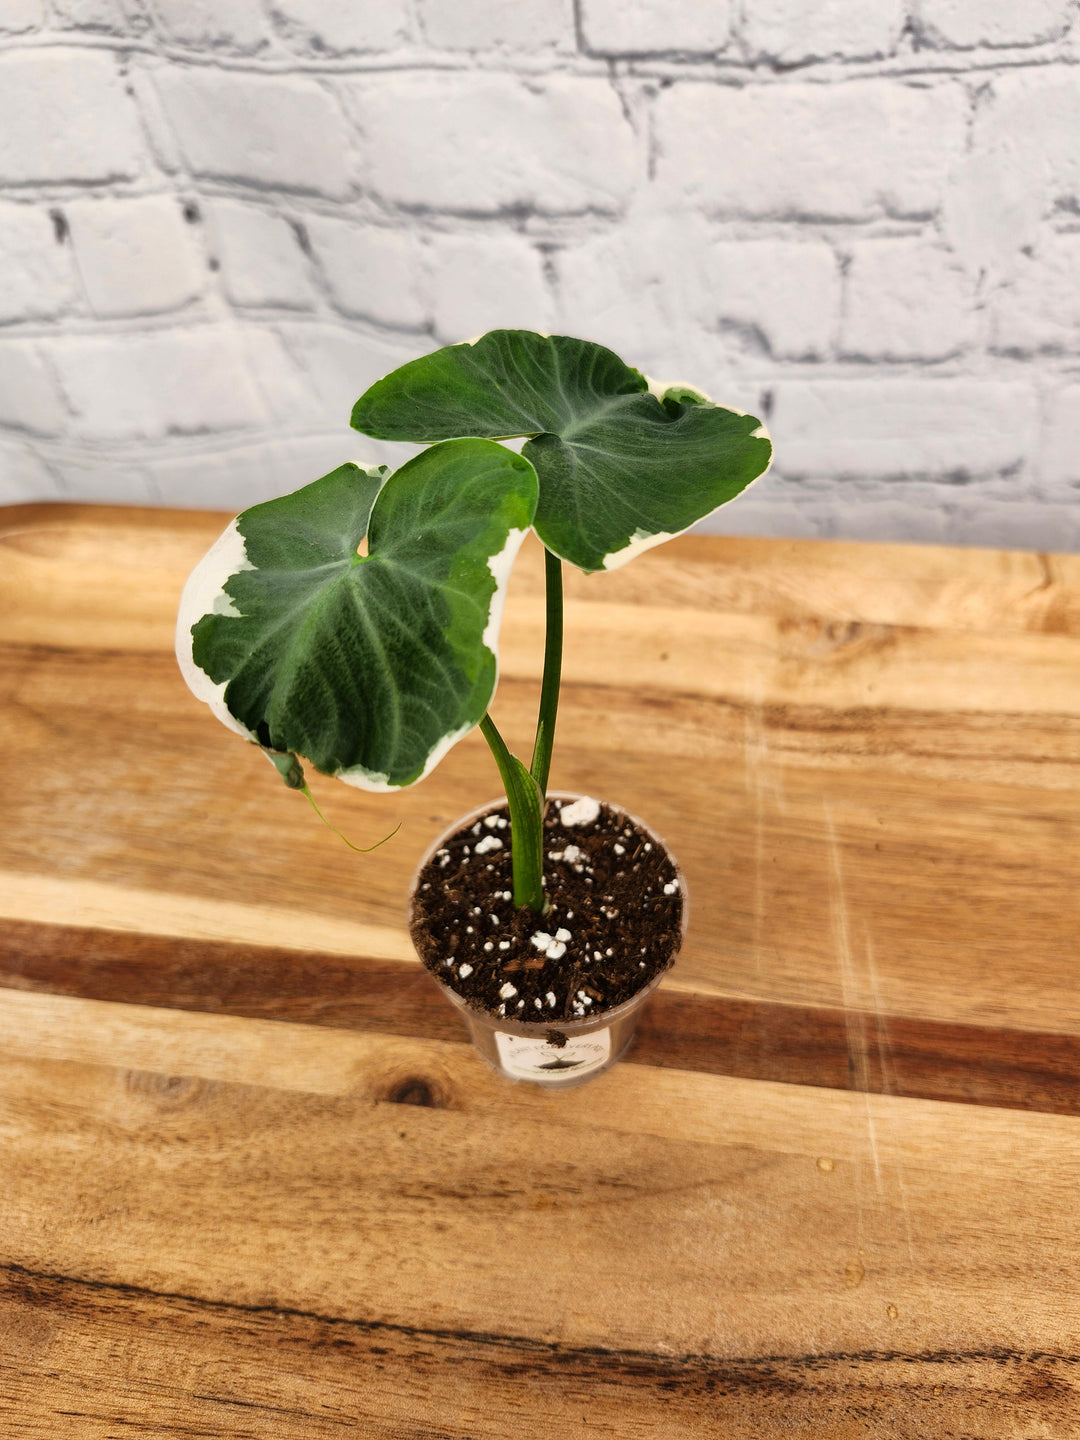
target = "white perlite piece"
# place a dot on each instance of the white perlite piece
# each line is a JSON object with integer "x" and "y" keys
{"x": 550, "y": 998}
{"x": 507, "y": 992}
{"x": 553, "y": 946}
{"x": 488, "y": 843}
{"x": 671, "y": 887}
{"x": 582, "y": 812}
{"x": 464, "y": 971}
{"x": 491, "y": 821}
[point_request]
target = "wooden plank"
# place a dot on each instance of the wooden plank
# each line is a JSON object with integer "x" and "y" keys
{"x": 655, "y": 1212}
{"x": 105, "y": 1359}
{"x": 956, "y": 896}
{"x": 254, "y": 1183}
{"x": 910, "y": 862}
{"x": 716, "y": 1035}
{"x": 935, "y": 586}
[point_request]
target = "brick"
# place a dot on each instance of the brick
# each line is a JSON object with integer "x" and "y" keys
{"x": 340, "y": 365}
{"x": 1060, "y": 456}
{"x": 157, "y": 127}
{"x": 1024, "y": 162}
{"x": 29, "y": 398}
{"x": 261, "y": 260}
{"x": 37, "y": 277}
{"x": 328, "y": 27}
{"x": 24, "y": 478}
{"x": 371, "y": 271}
{"x": 954, "y": 429}
{"x": 641, "y": 27}
{"x": 789, "y": 293}
{"x": 914, "y": 512}
{"x": 100, "y": 479}
{"x": 279, "y": 378}
{"x": 219, "y": 24}
{"x": 486, "y": 282}
{"x": 906, "y": 300}
{"x": 482, "y": 142}
{"x": 136, "y": 257}
{"x": 265, "y": 130}
{"x": 166, "y": 382}
{"x": 791, "y": 32}
{"x": 64, "y": 116}
{"x": 243, "y": 475}
{"x": 488, "y": 24}
{"x": 635, "y": 286}
{"x": 796, "y": 151}
{"x": 665, "y": 273}
{"x": 1011, "y": 524}
{"x": 765, "y": 513}
{"x": 106, "y": 15}
{"x": 18, "y": 16}
{"x": 965, "y": 24}
{"x": 230, "y": 25}
{"x": 1040, "y": 308}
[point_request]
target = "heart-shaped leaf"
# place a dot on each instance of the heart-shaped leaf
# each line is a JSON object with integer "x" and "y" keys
{"x": 370, "y": 666}
{"x": 621, "y": 469}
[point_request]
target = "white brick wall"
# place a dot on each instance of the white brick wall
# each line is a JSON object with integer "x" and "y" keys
{"x": 221, "y": 219}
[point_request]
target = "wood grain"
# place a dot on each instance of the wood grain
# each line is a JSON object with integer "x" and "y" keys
{"x": 660, "y": 1249}
{"x": 255, "y": 1184}
{"x": 894, "y": 830}
{"x": 716, "y": 1035}
{"x": 265, "y": 1373}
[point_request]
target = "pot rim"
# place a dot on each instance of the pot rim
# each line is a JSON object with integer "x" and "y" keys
{"x": 535, "y": 1028}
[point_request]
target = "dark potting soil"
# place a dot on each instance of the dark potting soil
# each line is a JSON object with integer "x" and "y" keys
{"x": 615, "y": 920}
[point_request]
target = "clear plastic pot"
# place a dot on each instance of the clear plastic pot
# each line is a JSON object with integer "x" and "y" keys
{"x": 573, "y": 1051}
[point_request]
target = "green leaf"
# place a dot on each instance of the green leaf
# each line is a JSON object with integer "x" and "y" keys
{"x": 621, "y": 469}
{"x": 369, "y": 667}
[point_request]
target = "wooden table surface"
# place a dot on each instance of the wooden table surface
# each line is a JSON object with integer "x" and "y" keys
{"x": 255, "y": 1183}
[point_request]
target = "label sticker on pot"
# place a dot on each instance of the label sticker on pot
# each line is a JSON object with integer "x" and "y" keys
{"x": 527, "y": 1059}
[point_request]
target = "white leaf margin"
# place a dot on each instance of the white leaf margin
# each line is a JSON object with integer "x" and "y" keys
{"x": 204, "y": 594}
{"x": 643, "y": 540}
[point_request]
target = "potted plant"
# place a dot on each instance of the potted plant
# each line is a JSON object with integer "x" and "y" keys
{"x": 355, "y": 624}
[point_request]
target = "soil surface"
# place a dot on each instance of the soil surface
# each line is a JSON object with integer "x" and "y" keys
{"x": 615, "y": 920}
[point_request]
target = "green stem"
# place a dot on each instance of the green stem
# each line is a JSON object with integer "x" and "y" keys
{"x": 526, "y": 801}
{"x": 549, "y": 690}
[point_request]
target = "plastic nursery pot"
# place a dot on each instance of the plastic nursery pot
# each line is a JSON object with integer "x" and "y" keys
{"x": 555, "y": 1053}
